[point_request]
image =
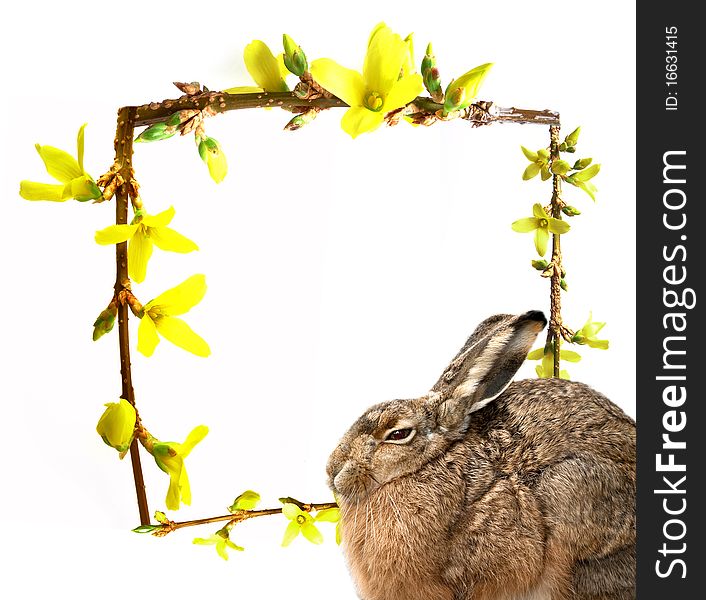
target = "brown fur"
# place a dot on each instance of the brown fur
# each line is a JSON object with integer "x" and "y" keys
{"x": 531, "y": 498}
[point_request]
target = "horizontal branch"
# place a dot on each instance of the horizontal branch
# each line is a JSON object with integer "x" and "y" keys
{"x": 236, "y": 517}
{"x": 479, "y": 113}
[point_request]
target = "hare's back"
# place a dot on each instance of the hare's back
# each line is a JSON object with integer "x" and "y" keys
{"x": 544, "y": 421}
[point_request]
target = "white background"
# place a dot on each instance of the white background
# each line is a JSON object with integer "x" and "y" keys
{"x": 341, "y": 272}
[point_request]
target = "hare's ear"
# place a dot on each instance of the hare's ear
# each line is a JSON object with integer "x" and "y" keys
{"x": 485, "y": 365}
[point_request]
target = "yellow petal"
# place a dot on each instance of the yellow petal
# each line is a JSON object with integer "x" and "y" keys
{"x": 79, "y": 147}
{"x": 291, "y": 510}
{"x": 329, "y": 515}
{"x": 117, "y": 424}
{"x": 195, "y": 436}
{"x": 541, "y": 239}
{"x": 168, "y": 239}
{"x": 536, "y": 354}
{"x": 180, "y": 334}
{"x": 408, "y": 66}
{"x": 115, "y": 234}
{"x": 173, "y": 493}
{"x": 160, "y": 219}
{"x": 184, "y": 486}
{"x": 290, "y": 533}
{"x": 147, "y": 338}
{"x": 60, "y": 165}
{"x": 283, "y": 70}
{"x": 538, "y": 211}
{"x": 525, "y": 225}
{"x": 403, "y": 92}
{"x": 359, "y": 120}
{"x": 383, "y": 60}
{"x": 311, "y": 533}
{"x": 263, "y": 67}
{"x": 139, "y": 251}
{"x": 183, "y": 297}
{"x": 31, "y": 190}
{"x": 374, "y": 32}
{"x": 243, "y": 89}
{"x": 84, "y": 188}
{"x": 343, "y": 83}
{"x": 217, "y": 165}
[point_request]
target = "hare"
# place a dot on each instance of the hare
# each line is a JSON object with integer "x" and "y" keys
{"x": 484, "y": 489}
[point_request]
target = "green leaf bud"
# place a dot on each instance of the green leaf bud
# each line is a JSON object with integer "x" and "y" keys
{"x": 105, "y": 321}
{"x": 540, "y": 265}
{"x": 570, "y": 211}
{"x": 156, "y": 133}
{"x": 146, "y": 528}
{"x": 246, "y": 501}
{"x": 298, "y": 121}
{"x": 294, "y": 57}
{"x": 564, "y": 285}
{"x": 582, "y": 163}
{"x": 430, "y": 74}
{"x": 573, "y": 138}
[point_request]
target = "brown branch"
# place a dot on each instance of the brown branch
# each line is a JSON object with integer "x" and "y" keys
{"x": 236, "y": 517}
{"x": 555, "y": 324}
{"x": 480, "y": 113}
{"x": 123, "y": 167}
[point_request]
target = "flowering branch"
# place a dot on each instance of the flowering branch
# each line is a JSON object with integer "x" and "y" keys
{"x": 167, "y": 526}
{"x": 478, "y": 113}
{"x": 123, "y": 168}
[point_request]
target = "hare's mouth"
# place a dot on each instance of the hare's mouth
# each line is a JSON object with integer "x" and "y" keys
{"x": 353, "y": 482}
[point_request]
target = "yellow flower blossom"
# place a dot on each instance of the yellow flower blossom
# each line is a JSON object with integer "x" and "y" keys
{"x": 143, "y": 233}
{"x": 75, "y": 182}
{"x": 212, "y": 154}
{"x": 221, "y": 540}
{"x": 587, "y": 334}
{"x": 302, "y": 522}
{"x": 376, "y": 91}
{"x": 542, "y": 224}
{"x": 117, "y": 425}
{"x": 169, "y": 457}
{"x": 268, "y": 72}
{"x": 160, "y": 316}
{"x": 545, "y": 369}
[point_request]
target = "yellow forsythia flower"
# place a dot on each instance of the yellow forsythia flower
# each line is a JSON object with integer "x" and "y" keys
{"x": 268, "y": 72}
{"x": 143, "y": 233}
{"x": 160, "y": 316}
{"x": 75, "y": 182}
{"x": 117, "y": 425}
{"x": 169, "y": 457}
{"x": 542, "y": 224}
{"x": 376, "y": 91}
{"x": 587, "y": 334}
{"x": 221, "y": 540}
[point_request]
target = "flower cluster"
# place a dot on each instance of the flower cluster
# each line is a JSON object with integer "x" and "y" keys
{"x": 544, "y": 225}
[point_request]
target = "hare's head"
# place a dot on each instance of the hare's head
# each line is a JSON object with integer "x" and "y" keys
{"x": 397, "y": 438}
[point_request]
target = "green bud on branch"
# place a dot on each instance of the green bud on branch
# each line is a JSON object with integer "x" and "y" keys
{"x": 570, "y": 211}
{"x": 105, "y": 321}
{"x": 430, "y": 75}
{"x": 302, "y": 119}
{"x": 294, "y": 57}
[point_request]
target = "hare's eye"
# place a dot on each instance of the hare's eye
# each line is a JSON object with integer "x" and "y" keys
{"x": 400, "y": 436}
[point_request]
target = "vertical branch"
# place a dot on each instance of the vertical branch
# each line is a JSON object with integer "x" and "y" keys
{"x": 554, "y": 332}
{"x": 123, "y": 164}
